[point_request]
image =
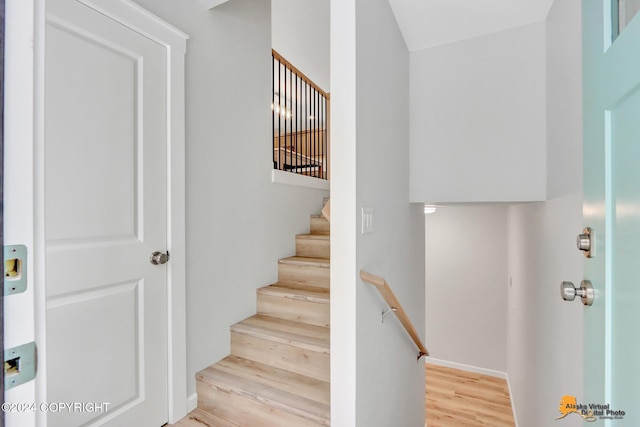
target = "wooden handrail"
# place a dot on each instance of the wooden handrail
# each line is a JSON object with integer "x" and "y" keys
{"x": 390, "y": 298}
{"x": 288, "y": 64}
{"x": 326, "y": 210}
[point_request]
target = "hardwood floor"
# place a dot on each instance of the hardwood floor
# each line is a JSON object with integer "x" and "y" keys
{"x": 460, "y": 398}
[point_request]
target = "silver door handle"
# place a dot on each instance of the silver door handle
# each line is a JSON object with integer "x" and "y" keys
{"x": 568, "y": 292}
{"x": 159, "y": 258}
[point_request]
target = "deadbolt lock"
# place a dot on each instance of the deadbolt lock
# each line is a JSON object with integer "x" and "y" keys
{"x": 585, "y": 242}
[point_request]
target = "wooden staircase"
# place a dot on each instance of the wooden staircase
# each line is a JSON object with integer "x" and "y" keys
{"x": 278, "y": 371}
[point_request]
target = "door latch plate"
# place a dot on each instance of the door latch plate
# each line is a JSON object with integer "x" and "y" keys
{"x": 19, "y": 365}
{"x": 15, "y": 269}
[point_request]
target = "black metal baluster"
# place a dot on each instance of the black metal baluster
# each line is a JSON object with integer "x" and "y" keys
{"x": 309, "y": 119}
{"x": 297, "y": 122}
{"x": 321, "y": 135}
{"x": 286, "y": 68}
{"x": 315, "y": 127}
{"x": 280, "y": 156}
{"x": 325, "y": 158}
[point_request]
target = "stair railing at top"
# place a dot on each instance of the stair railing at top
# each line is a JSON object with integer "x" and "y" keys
{"x": 300, "y": 117}
{"x": 396, "y": 307}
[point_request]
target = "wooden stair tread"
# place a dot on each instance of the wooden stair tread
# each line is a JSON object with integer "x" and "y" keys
{"x": 306, "y": 261}
{"x": 309, "y": 337}
{"x": 297, "y": 292}
{"x": 239, "y": 378}
{"x": 284, "y": 380}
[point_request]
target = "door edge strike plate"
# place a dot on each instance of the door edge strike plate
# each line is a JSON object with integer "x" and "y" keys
{"x": 15, "y": 269}
{"x": 585, "y": 242}
{"x": 20, "y": 365}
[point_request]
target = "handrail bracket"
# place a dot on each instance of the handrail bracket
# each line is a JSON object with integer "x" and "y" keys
{"x": 396, "y": 307}
{"x": 387, "y": 311}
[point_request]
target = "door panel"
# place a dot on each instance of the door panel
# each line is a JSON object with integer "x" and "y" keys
{"x": 102, "y": 140}
{"x": 625, "y": 200}
{"x": 105, "y": 200}
{"x": 612, "y": 208}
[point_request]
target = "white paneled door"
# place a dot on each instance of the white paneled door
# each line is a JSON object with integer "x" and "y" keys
{"x": 106, "y": 212}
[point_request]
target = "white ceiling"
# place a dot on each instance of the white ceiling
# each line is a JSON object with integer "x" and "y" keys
{"x": 428, "y": 23}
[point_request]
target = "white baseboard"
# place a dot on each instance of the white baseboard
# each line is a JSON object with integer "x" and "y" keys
{"x": 192, "y": 402}
{"x": 468, "y": 368}
{"x": 477, "y": 370}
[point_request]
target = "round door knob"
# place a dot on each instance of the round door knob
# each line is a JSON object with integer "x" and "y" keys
{"x": 158, "y": 258}
{"x": 568, "y": 292}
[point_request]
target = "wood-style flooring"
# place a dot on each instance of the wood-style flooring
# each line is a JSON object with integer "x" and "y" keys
{"x": 460, "y": 398}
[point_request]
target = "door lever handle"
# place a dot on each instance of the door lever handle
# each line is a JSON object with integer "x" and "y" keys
{"x": 568, "y": 292}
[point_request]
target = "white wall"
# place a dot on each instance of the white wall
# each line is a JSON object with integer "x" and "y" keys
{"x": 376, "y": 360}
{"x": 466, "y": 285}
{"x": 300, "y": 33}
{"x": 544, "y": 354}
{"x": 238, "y": 222}
{"x": 478, "y": 119}
{"x": 389, "y": 382}
{"x": 343, "y": 213}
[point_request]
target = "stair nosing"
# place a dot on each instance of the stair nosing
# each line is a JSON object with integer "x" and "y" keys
{"x": 312, "y": 236}
{"x": 267, "y": 395}
{"x": 289, "y": 292}
{"x": 306, "y": 261}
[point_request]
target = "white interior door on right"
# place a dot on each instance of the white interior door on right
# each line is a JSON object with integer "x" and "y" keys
{"x": 611, "y": 59}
